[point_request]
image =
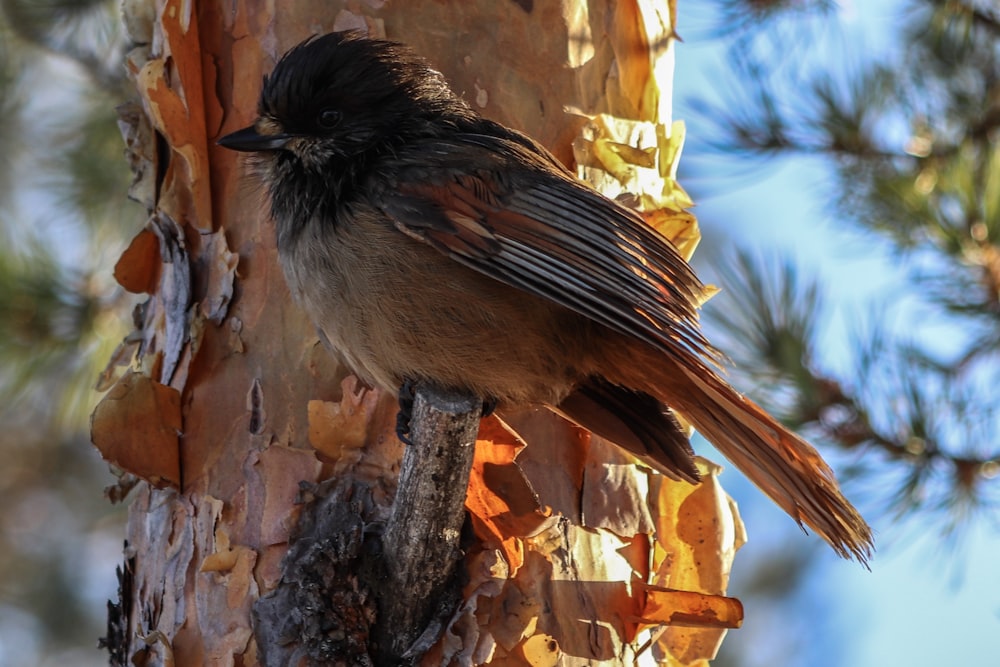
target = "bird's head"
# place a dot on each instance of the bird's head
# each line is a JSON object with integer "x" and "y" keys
{"x": 339, "y": 98}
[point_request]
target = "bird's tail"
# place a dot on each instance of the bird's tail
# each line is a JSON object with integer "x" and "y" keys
{"x": 782, "y": 465}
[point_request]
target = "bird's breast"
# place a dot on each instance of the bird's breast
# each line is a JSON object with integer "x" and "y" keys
{"x": 396, "y": 309}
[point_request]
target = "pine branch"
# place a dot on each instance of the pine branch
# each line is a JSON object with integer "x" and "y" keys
{"x": 979, "y": 17}
{"x": 925, "y": 427}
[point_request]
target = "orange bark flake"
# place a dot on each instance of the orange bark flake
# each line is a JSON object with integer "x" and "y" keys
{"x": 136, "y": 427}
{"x": 171, "y": 90}
{"x": 689, "y": 609}
{"x": 541, "y": 651}
{"x": 503, "y": 506}
{"x": 138, "y": 266}
{"x": 338, "y": 428}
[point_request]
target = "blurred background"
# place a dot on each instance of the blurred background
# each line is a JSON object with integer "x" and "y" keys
{"x": 843, "y": 157}
{"x": 845, "y": 164}
{"x": 63, "y": 223}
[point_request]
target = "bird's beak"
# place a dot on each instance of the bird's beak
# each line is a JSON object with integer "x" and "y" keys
{"x": 249, "y": 140}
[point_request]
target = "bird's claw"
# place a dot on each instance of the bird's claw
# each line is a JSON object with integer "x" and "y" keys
{"x": 489, "y": 405}
{"x": 407, "y": 394}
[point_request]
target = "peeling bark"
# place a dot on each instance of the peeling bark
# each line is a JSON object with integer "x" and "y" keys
{"x": 320, "y": 613}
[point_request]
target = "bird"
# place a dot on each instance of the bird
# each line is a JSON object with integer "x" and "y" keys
{"x": 432, "y": 245}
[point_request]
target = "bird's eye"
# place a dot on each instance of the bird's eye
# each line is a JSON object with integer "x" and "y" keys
{"x": 328, "y": 119}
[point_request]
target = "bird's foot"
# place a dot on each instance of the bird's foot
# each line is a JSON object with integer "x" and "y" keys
{"x": 407, "y": 393}
{"x": 489, "y": 405}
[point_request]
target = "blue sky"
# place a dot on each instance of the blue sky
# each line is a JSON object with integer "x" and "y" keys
{"x": 922, "y": 604}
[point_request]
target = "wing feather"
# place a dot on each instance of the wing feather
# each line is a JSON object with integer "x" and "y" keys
{"x": 499, "y": 207}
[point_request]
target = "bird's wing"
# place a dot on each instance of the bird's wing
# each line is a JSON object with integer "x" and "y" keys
{"x": 503, "y": 209}
{"x": 499, "y": 207}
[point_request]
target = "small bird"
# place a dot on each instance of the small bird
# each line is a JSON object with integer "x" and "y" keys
{"x": 432, "y": 245}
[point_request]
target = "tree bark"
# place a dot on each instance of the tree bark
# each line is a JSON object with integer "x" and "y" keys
{"x": 267, "y": 469}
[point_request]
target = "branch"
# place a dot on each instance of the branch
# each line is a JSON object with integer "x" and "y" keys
{"x": 344, "y": 600}
{"x": 981, "y": 18}
{"x": 421, "y": 539}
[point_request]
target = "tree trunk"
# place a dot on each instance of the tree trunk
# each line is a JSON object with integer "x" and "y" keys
{"x": 265, "y": 473}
